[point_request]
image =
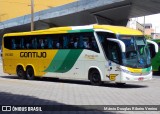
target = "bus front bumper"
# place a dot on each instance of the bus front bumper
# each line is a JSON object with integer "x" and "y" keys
{"x": 125, "y": 77}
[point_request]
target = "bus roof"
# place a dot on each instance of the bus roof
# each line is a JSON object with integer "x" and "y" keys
{"x": 119, "y": 29}
{"x": 114, "y": 29}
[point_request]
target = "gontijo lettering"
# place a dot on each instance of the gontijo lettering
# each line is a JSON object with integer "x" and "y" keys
{"x": 33, "y": 54}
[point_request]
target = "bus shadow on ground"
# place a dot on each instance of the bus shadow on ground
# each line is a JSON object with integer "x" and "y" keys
{"x": 156, "y": 74}
{"x": 81, "y": 82}
{"x": 14, "y": 101}
{"x": 9, "y": 77}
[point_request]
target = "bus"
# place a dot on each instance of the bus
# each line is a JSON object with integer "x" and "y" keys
{"x": 156, "y": 59}
{"x": 98, "y": 53}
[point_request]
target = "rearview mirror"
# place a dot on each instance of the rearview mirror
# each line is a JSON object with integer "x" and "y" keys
{"x": 153, "y": 47}
{"x": 121, "y": 44}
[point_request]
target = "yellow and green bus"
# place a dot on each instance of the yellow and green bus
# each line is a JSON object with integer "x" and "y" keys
{"x": 156, "y": 59}
{"x": 99, "y": 53}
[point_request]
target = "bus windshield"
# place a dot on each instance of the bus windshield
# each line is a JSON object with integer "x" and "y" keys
{"x": 137, "y": 53}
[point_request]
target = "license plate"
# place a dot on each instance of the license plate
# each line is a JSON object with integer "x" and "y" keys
{"x": 140, "y": 79}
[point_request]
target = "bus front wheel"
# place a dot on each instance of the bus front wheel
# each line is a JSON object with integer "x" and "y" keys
{"x": 30, "y": 73}
{"x": 95, "y": 78}
{"x": 20, "y": 72}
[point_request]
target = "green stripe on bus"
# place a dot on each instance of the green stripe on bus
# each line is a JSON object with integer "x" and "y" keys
{"x": 64, "y": 60}
{"x": 70, "y": 60}
{"x": 147, "y": 69}
{"x": 76, "y": 31}
{"x": 57, "y": 61}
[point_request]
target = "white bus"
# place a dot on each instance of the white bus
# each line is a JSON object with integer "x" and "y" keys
{"x": 99, "y": 53}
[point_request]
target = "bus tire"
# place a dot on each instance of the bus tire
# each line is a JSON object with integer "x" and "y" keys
{"x": 95, "y": 78}
{"x": 30, "y": 73}
{"x": 20, "y": 72}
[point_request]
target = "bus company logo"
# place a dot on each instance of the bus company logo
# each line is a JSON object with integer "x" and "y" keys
{"x": 33, "y": 54}
{"x": 6, "y": 108}
{"x": 112, "y": 77}
{"x": 91, "y": 56}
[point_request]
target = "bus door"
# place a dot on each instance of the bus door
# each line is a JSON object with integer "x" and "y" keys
{"x": 114, "y": 56}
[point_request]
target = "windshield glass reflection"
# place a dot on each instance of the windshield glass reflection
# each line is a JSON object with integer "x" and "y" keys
{"x": 137, "y": 54}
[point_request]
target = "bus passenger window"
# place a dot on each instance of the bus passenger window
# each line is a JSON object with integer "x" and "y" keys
{"x": 34, "y": 45}
{"x": 41, "y": 44}
{"x": 71, "y": 44}
{"x": 22, "y": 43}
{"x": 95, "y": 46}
{"x": 50, "y": 43}
{"x": 80, "y": 42}
{"x": 27, "y": 45}
{"x": 91, "y": 43}
{"x": 46, "y": 44}
{"x": 85, "y": 44}
{"x": 54, "y": 44}
{"x": 65, "y": 42}
{"x": 58, "y": 45}
{"x": 13, "y": 44}
{"x": 75, "y": 43}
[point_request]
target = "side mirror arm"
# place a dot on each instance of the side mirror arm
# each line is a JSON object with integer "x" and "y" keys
{"x": 155, "y": 45}
{"x": 123, "y": 46}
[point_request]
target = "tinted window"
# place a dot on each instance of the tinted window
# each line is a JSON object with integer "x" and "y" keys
{"x": 104, "y": 35}
{"x": 114, "y": 52}
{"x": 56, "y": 41}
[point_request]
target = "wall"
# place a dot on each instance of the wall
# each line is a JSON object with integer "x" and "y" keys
{"x": 14, "y": 8}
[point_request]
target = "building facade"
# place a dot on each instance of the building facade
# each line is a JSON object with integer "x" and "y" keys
{"x": 148, "y": 29}
{"x": 155, "y": 35}
{"x": 135, "y": 25}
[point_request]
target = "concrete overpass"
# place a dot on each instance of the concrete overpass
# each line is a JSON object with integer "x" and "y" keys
{"x": 82, "y": 12}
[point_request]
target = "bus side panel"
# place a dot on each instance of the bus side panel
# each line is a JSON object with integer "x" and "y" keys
{"x": 65, "y": 64}
{"x": 95, "y": 60}
{"x": 13, "y": 58}
{"x": 156, "y": 62}
{"x": 8, "y": 61}
{"x": 78, "y": 70}
{"x": 73, "y": 66}
{"x": 45, "y": 64}
{"x": 34, "y": 58}
{"x": 86, "y": 60}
